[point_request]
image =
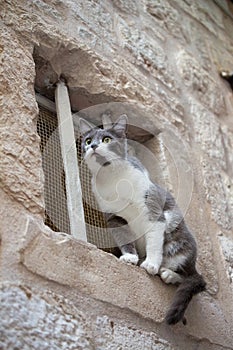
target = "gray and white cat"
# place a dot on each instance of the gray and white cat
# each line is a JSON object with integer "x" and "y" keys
{"x": 122, "y": 187}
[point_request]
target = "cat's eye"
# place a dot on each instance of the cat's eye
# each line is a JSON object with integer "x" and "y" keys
{"x": 88, "y": 141}
{"x": 106, "y": 139}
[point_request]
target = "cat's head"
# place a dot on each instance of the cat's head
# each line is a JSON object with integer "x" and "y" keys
{"x": 102, "y": 147}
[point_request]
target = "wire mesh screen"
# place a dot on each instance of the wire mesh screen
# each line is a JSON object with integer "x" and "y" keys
{"x": 54, "y": 187}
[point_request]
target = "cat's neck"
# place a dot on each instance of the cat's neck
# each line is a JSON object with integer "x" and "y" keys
{"x": 112, "y": 167}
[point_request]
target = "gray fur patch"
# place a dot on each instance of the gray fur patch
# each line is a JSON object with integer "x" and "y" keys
{"x": 118, "y": 147}
{"x": 155, "y": 199}
{"x": 136, "y": 163}
{"x": 181, "y": 241}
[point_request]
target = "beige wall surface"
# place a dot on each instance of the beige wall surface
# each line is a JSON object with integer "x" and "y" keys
{"x": 164, "y": 57}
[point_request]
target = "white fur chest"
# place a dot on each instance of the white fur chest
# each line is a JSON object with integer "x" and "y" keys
{"x": 121, "y": 190}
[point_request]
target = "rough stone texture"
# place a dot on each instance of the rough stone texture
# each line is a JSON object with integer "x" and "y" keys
{"x": 199, "y": 80}
{"x": 48, "y": 321}
{"x": 227, "y": 250}
{"x": 21, "y": 173}
{"x": 164, "y": 58}
{"x": 87, "y": 269}
{"x": 216, "y": 163}
{"x": 166, "y": 16}
{"x": 37, "y": 320}
{"x": 83, "y": 267}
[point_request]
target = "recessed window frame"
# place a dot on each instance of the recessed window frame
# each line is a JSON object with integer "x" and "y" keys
{"x": 69, "y": 158}
{"x": 79, "y": 229}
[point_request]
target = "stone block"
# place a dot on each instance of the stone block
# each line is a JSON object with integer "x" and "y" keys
{"x": 202, "y": 46}
{"x": 221, "y": 52}
{"x": 214, "y": 162}
{"x": 207, "y": 13}
{"x": 94, "y": 273}
{"x": 165, "y": 16}
{"x": 33, "y": 320}
{"x": 226, "y": 35}
{"x": 147, "y": 54}
{"x": 21, "y": 172}
{"x": 128, "y": 6}
{"x": 101, "y": 276}
{"x": 28, "y": 321}
{"x": 173, "y": 103}
{"x": 227, "y": 251}
{"x": 201, "y": 83}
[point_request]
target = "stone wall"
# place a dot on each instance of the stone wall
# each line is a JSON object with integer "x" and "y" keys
{"x": 163, "y": 57}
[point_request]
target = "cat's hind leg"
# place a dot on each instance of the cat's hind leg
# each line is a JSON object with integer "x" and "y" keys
{"x": 124, "y": 238}
{"x": 170, "y": 266}
{"x": 168, "y": 276}
{"x": 129, "y": 254}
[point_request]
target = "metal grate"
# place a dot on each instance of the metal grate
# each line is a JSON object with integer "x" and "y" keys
{"x": 54, "y": 187}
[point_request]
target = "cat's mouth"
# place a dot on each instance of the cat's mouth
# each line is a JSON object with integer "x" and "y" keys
{"x": 94, "y": 153}
{"x": 91, "y": 152}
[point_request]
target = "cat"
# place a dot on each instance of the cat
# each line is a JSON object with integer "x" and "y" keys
{"x": 123, "y": 190}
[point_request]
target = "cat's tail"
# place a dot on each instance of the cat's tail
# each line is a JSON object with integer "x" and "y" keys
{"x": 190, "y": 286}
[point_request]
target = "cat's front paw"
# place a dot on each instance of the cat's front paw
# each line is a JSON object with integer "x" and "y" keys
{"x": 129, "y": 258}
{"x": 150, "y": 267}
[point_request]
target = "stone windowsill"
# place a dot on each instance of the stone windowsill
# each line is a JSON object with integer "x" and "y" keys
{"x": 60, "y": 258}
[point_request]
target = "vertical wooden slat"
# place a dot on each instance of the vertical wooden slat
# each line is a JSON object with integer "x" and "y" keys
{"x": 69, "y": 155}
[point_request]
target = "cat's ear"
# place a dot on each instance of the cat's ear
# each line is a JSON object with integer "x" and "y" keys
{"x": 120, "y": 126}
{"x": 106, "y": 121}
{"x": 85, "y": 126}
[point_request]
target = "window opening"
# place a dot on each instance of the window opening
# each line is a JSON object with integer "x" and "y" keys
{"x": 56, "y": 213}
{"x": 57, "y": 216}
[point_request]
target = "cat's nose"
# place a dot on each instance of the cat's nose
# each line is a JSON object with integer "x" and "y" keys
{"x": 94, "y": 146}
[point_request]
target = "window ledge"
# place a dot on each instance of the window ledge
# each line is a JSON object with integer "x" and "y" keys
{"x": 60, "y": 258}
